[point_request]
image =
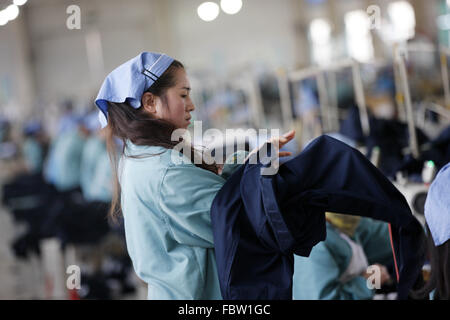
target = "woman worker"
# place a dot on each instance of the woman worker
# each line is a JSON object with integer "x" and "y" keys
{"x": 165, "y": 204}
{"x": 338, "y": 268}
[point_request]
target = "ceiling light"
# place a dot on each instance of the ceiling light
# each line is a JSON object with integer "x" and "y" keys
{"x": 3, "y": 18}
{"x": 208, "y": 11}
{"x": 20, "y": 2}
{"x": 231, "y": 6}
{"x": 11, "y": 12}
{"x": 320, "y": 31}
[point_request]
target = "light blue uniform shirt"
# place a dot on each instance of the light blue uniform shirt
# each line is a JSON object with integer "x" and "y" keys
{"x": 33, "y": 155}
{"x": 318, "y": 276}
{"x": 63, "y": 165}
{"x": 102, "y": 181}
{"x": 95, "y": 173}
{"x": 166, "y": 209}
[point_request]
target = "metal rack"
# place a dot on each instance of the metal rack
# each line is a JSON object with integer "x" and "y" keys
{"x": 328, "y": 109}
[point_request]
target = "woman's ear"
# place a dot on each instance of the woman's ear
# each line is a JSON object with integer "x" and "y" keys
{"x": 148, "y": 101}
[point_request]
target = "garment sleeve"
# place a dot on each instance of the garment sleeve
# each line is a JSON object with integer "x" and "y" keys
{"x": 186, "y": 195}
{"x": 233, "y": 162}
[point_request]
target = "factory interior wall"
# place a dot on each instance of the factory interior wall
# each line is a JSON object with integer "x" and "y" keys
{"x": 56, "y": 65}
{"x": 16, "y": 76}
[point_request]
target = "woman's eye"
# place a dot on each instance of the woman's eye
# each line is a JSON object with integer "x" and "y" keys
{"x": 184, "y": 95}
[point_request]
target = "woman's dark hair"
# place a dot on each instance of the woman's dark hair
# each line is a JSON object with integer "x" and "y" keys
{"x": 139, "y": 127}
{"x": 439, "y": 279}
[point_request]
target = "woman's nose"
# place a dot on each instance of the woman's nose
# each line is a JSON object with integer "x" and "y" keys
{"x": 190, "y": 106}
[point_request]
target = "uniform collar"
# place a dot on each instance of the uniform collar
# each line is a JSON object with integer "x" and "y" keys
{"x": 132, "y": 149}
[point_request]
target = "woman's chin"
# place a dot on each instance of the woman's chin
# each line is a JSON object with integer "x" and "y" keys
{"x": 183, "y": 126}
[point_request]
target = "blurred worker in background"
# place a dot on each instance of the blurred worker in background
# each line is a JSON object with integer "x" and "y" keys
{"x": 69, "y": 120}
{"x": 337, "y": 267}
{"x": 4, "y": 129}
{"x": 34, "y": 147}
{"x": 95, "y": 172}
{"x": 8, "y": 148}
{"x": 62, "y": 168}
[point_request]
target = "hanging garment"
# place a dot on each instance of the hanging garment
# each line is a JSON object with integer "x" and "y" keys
{"x": 260, "y": 221}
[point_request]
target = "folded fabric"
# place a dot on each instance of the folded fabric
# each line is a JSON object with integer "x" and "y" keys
{"x": 260, "y": 221}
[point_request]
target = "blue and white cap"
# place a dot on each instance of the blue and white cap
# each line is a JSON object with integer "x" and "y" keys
{"x": 437, "y": 206}
{"x": 129, "y": 81}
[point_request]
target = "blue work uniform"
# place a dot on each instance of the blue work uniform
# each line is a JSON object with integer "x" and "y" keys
{"x": 95, "y": 171}
{"x": 33, "y": 154}
{"x": 63, "y": 165}
{"x": 68, "y": 122}
{"x": 166, "y": 210}
{"x": 102, "y": 181}
{"x": 320, "y": 276}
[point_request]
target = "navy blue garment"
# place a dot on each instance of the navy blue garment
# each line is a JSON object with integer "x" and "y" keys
{"x": 259, "y": 222}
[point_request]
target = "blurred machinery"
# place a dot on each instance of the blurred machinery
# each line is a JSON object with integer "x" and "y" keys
{"x": 414, "y": 191}
{"x": 328, "y": 112}
{"x": 415, "y": 187}
{"x": 241, "y": 107}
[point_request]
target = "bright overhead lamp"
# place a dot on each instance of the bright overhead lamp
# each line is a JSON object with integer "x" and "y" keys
{"x": 208, "y": 11}
{"x": 231, "y": 6}
{"x": 20, "y": 2}
{"x": 3, "y": 18}
{"x": 11, "y": 12}
{"x": 320, "y": 31}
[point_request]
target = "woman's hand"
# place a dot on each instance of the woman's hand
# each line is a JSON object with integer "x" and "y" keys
{"x": 219, "y": 168}
{"x": 278, "y": 143}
